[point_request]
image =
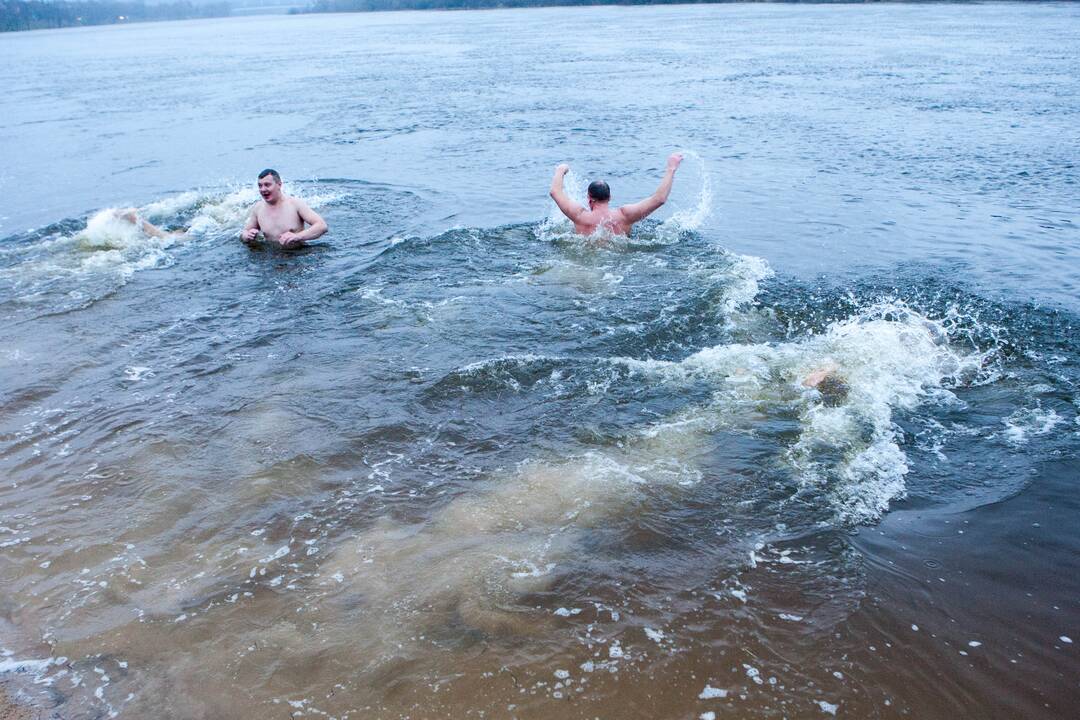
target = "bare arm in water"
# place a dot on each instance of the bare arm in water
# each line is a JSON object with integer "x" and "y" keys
{"x": 636, "y": 211}
{"x": 316, "y": 226}
{"x": 569, "y": 208}
{"x": 251, "y": 227}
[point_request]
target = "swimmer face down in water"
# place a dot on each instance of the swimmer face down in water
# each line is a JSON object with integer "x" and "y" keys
{"x": 599, "y": 214}
{"x": 281, "y": 218}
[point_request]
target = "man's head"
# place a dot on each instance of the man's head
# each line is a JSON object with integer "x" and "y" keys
{"x": 270, "y": 185}
{"x": 599, "y": 192}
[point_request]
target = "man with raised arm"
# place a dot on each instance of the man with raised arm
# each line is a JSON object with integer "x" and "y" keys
{"x": 280, "y": 217}
{"x": 599, "y": 214}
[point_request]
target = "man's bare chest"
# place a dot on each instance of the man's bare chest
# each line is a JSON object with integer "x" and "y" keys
{"x": 279, "y": 218}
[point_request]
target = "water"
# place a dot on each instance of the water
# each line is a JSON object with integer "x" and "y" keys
{"x": 454, "y": 461}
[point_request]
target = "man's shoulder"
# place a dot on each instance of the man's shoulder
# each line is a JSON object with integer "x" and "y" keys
{"x": 296, "y": 202}
{"x": 290, "y": 202}
{"x": 595, "y": 215}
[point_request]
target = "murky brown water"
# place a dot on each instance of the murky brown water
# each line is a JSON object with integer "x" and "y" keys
{"x": 453, "y": 462}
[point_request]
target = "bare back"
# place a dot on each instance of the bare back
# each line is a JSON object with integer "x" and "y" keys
{"x": 605, "y": 219}
{"x": 599, "y": 215}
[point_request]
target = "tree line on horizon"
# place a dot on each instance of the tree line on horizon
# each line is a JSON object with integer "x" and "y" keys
{"x": 41, "y": 14}
{"x": 38, "y": 15}
{"x": 334, "y": 6}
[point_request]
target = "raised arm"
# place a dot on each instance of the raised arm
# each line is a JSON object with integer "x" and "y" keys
{"x": 316, "y": 226}
{"x": 251, "y": 227}
{"x": 569, "y": 208}
{"x": 636, "y": 211}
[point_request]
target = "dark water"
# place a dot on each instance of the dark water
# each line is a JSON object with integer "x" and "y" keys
{"x": 452, "y": 461}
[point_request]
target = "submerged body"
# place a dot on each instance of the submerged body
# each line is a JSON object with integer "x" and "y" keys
{"x": 281, "y": 218}
{"x": 600, "y": 216}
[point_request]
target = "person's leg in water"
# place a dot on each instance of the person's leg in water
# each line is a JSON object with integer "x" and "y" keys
{"x": 132, "y": 216}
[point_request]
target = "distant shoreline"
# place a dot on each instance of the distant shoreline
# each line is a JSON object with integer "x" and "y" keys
{"x": 22, "y": 15}
{"x": 332, "y": 6}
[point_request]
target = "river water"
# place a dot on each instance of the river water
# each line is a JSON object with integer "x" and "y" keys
{"x": 452, "y": 461}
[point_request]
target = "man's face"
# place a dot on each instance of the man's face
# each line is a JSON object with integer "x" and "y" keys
{"x": 269, "y": 188}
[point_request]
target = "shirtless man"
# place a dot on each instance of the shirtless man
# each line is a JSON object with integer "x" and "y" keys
{"x": 600, "y": 215}
{"x": 280, "y": 217}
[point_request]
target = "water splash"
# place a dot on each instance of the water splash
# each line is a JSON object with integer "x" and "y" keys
{"x": 70, "y": 268}
{"x": 886, "y": 358}
{"x": 690, "y": 218}
{"x": 555, "y": 226}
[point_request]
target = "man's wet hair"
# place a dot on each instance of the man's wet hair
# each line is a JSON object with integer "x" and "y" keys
{"x": 599, "y": 191}
{"x": 270, "y": 171}
{"x": 834, "y": 390}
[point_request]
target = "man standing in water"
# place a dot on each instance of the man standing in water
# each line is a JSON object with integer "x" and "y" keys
{"x": 600, "y": 215}
{"x": 280, "y": 217}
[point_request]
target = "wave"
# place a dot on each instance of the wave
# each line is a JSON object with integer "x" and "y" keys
{"x": 477, "y": 558}
{"x": 845, "y": 386}
{"x": 72, "y": 264}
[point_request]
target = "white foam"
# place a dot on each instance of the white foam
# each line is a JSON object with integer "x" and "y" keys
{"x": 278, "y": 554}
{"x": 170, "y": 206}
{"x": 746, "y": 274}
{"x": 135, "y": 373}
{"x": 8, "y": 665}
{"x": 890, "y": 358}
{"x": 89, "y": 263}
{"x": 108, "y": 247}
{"x": 1028, "y": 422}
{"x": 710, "y": 693}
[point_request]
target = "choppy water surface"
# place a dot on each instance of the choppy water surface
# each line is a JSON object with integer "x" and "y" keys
{"x": 452, "y": 461}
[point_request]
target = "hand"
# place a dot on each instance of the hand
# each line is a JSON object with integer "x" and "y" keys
{"x": 250, "y": 234}
{"x": 674, "y": 160}
{"x": 289, "y": 239}
{"x": 562, "y": 169}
